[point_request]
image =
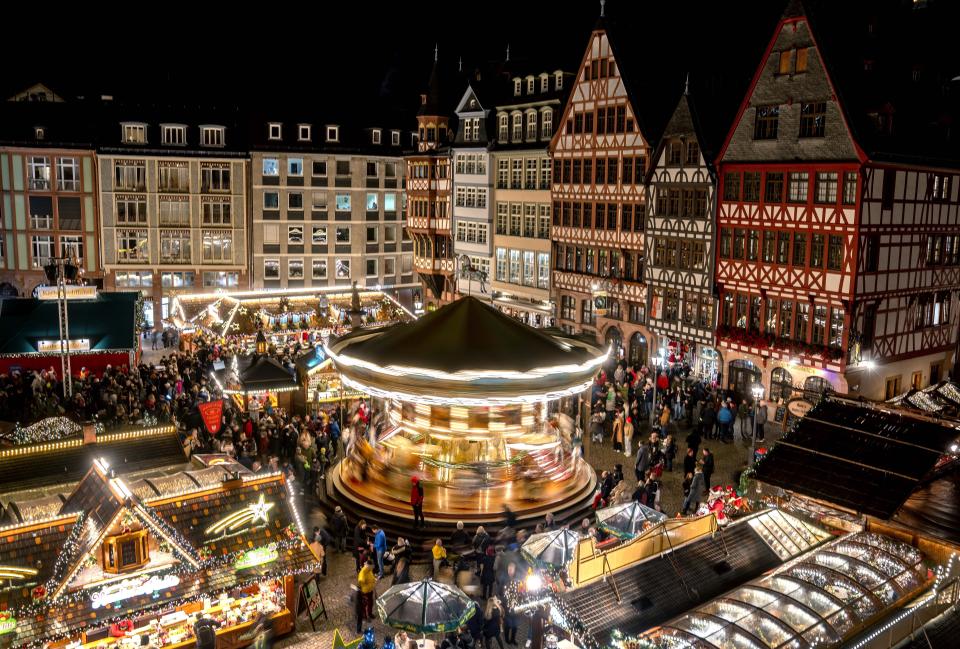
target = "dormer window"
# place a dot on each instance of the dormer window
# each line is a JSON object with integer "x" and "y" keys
{"x": 473, "y": 103}
{"x": 530, "y": 85}
{"x": 304, "y": 132}
{"x": 544, "y": 83}
{"x": 134, "y": 133}
{"x": 395, "y": 138}
{"x": 333, "y": 134}
{"x": 558, "y": 80}
{"x": 275, "y": 131}
{"x": 516, "y": 87}
{"x": 212, "y": 135}
{"x": 125, "y": 552}
{"x": 173, "y": 134}
{"x": 39, "y": 132}
{"x": 375, "y": 136}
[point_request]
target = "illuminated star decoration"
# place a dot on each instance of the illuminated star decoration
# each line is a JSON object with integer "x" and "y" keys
{"x": 254, "y": 512}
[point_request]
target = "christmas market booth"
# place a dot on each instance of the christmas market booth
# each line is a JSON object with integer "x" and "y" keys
{"x": 469, "y": 398}
{"x": 102, "y": 331}
{"x": 118, "y": 562}
{"x": 256, "y": 379}
{"x": 321, "y": 381}
{"x": 285, "y": 316}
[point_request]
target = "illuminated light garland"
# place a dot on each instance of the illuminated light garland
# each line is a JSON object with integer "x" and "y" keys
{"x": 467, "y": 401}
{"x": 467, "y": 375}
{"x": 260, "y": 392}
{"x": 17, "y": 573}
{"x": 291, "y": 491}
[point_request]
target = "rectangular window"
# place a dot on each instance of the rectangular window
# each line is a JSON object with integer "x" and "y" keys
{"x": 739, "y": 239}
{"x": 295, "y": 201}
{"x": 343, "y": 268}
{"x": 826, "y": 193}
{"x": 130, "y": 175}
{"x": 175, "y": 246}
{"x": 68, "y": 174}
{"x": 770, "y": 316}
{"x": 218, "y": 246}
{"x": 212, "y": 135}
{"x": 295, "y": 235}
{"x": 543, "y": 227}
{"x": 766, "y": 122}
{"x": 70, "y": 247}
{"x": 271, "y": 167}
{"x": 173, "y": 177}
{"x": 319, "y": 235}
{"x": 753, "y": 245}
{"x": 131, "y": 209}
{"x": 783, "y": 248}
{"x": 813, "y": 118}
{"x": 835, "y": 253}
{"x": 132, "y": 246}
{"x": 371, "y": 268}
{"x": 768, "y": 237}
{"x": 731, "y": 186}
{"x": 221, "y": 279}
{"x": 177, "y": 279}
{"x": 816, "y": 251}
{"x": 797, "y": 189}
{"x": 271, "y": 200}
{"x": 42, "y": 249}
{"x": 174, "y": 135}
{"x": 586, "y": 311}
{"x": 343, "y": 202}
{"x": 295, "y": 167}
{"x": 319, "y": 168}
{"x": 390, "y": 266}
{"x": 774, "y": 187}
{"x": 543, "y": 270}
{"x": 295, "y": 268}
{"x": 135, "y": 133}
{"x": 872, "y": 252}
{"x": 271, "y": 269}
{"x": 836, "y": 328}
{"x": 319, "y": 269}
{"x": 515, "y": 267}
{"x": 786, "y": 318}
{"x": 751, "y": 186}
{"x": 215, "y": 211}
{"x": 803, "y": 321}
{"x": 529, "y": 268}
{"x": 174, "y": 210}
{"x": 786, "y": 59}
{"x": 889, "y": 188}
{"x": 799, "y": 249}
{"x": 693, "y": 154}
{"x": 819, "y": 325}
{"x": 849, "y": 187}
{"x": 725, "y": 244}
{"x": 343, "y": 235}
{"x": 214, "y": 178}
{"x": 501, "y": 269}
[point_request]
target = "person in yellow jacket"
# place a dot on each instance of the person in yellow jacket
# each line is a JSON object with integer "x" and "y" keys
{"x": 439, "y": 554}
{"x": 367, "y": 582}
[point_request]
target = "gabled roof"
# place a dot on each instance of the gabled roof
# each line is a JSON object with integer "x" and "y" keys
{"x": 109, "y": 322}
{"x": 858, "y": 457}
{"x": 266, "y": 373}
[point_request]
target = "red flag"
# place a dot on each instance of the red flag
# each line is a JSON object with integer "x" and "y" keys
{"x": 211, "y": 412}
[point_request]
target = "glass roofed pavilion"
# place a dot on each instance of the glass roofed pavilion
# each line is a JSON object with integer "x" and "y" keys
{"x": 469, "y": 398}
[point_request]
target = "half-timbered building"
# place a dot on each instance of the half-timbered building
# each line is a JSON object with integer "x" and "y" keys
{"x": 428, "y": 181}
{"x": 599, "y": 161}
{"x": 679, "y": 230}
{"x": 838, "y": 244}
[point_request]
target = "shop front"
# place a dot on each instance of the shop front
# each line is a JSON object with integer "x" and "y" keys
{"x": 111, "y": 567}
{"x": 639, "y": 352}
{"x": 742, "y": 376}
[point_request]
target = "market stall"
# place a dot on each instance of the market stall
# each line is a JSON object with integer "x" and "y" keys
{"x": 111, "y": 567}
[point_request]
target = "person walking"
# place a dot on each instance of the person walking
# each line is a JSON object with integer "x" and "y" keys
{"x": 724, "y": 418}
{"x": 487, "y": 571}
{"x": 492, "y": 623}
{"x": 380, "y": 547}
{"x": 416, "y": 501}
{"x": 339, "y": 527}
{"x": 708, "y": 467}
{"x": 439, "y": 554}
{"x": 761, "y": 420}
{"x": 689, "y": 461}
{"x": 366, "y": 583}
{"x": 359, "y": 541}
{"x": 696, "y": 492}
{"x": 643, "y": 461}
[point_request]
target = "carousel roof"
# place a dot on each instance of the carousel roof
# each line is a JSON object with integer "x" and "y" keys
{"x": 468, "y": 335}
{"x": 466, "y": 353}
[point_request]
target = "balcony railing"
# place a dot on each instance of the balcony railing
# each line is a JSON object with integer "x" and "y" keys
{"x": 39, "y": 183}
{"x": 68, "y": 185}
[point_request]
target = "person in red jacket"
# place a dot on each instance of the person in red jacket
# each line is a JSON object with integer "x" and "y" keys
{"x": 416, "y": 501}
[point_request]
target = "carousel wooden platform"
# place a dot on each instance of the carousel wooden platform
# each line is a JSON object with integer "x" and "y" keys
{"x": 396, "y": 518}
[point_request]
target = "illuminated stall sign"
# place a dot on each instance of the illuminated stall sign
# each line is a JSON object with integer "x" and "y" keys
{"x": 133, "y": 587}
{"x": 257, "y": 557}
{"x": 75, "y": 345}
{"x": 8, "y": 625}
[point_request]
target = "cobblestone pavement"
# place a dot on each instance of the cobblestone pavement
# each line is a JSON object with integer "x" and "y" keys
{"x": 728, "y": 458}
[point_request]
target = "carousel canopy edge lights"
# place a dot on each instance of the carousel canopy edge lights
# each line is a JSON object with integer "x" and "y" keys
{"x": 591, "y": 365}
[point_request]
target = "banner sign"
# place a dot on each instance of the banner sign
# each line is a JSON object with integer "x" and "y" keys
{"x": 211, "y": 412}
{"x": 71, "y": 291}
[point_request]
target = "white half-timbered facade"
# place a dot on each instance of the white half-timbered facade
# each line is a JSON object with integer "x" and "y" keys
{"x": 679, "y": 230}
{"x": 599, "y": 163}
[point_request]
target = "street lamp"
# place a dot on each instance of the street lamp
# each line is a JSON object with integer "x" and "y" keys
{"x": 757, "y": 395}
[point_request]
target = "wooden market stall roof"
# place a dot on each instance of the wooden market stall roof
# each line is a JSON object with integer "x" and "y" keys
{"x": 857, "y": 456}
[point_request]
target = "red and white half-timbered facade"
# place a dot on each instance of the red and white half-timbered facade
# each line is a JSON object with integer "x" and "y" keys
{"x": 833, "y": 270}
{"x": 599, "y": 161}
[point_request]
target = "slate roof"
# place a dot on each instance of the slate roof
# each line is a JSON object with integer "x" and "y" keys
{"x": 660, "y": 588}
{"x": 933, "y": 510}
{"x": 858, "y": 457}
{"x": 465, "y": 335}
{"x": 109, "y": 322}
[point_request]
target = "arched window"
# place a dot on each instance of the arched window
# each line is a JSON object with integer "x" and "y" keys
{"x": 638, "y": 349}
{"x": 816, "y": 386}
{"x": 781, "y": 385}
